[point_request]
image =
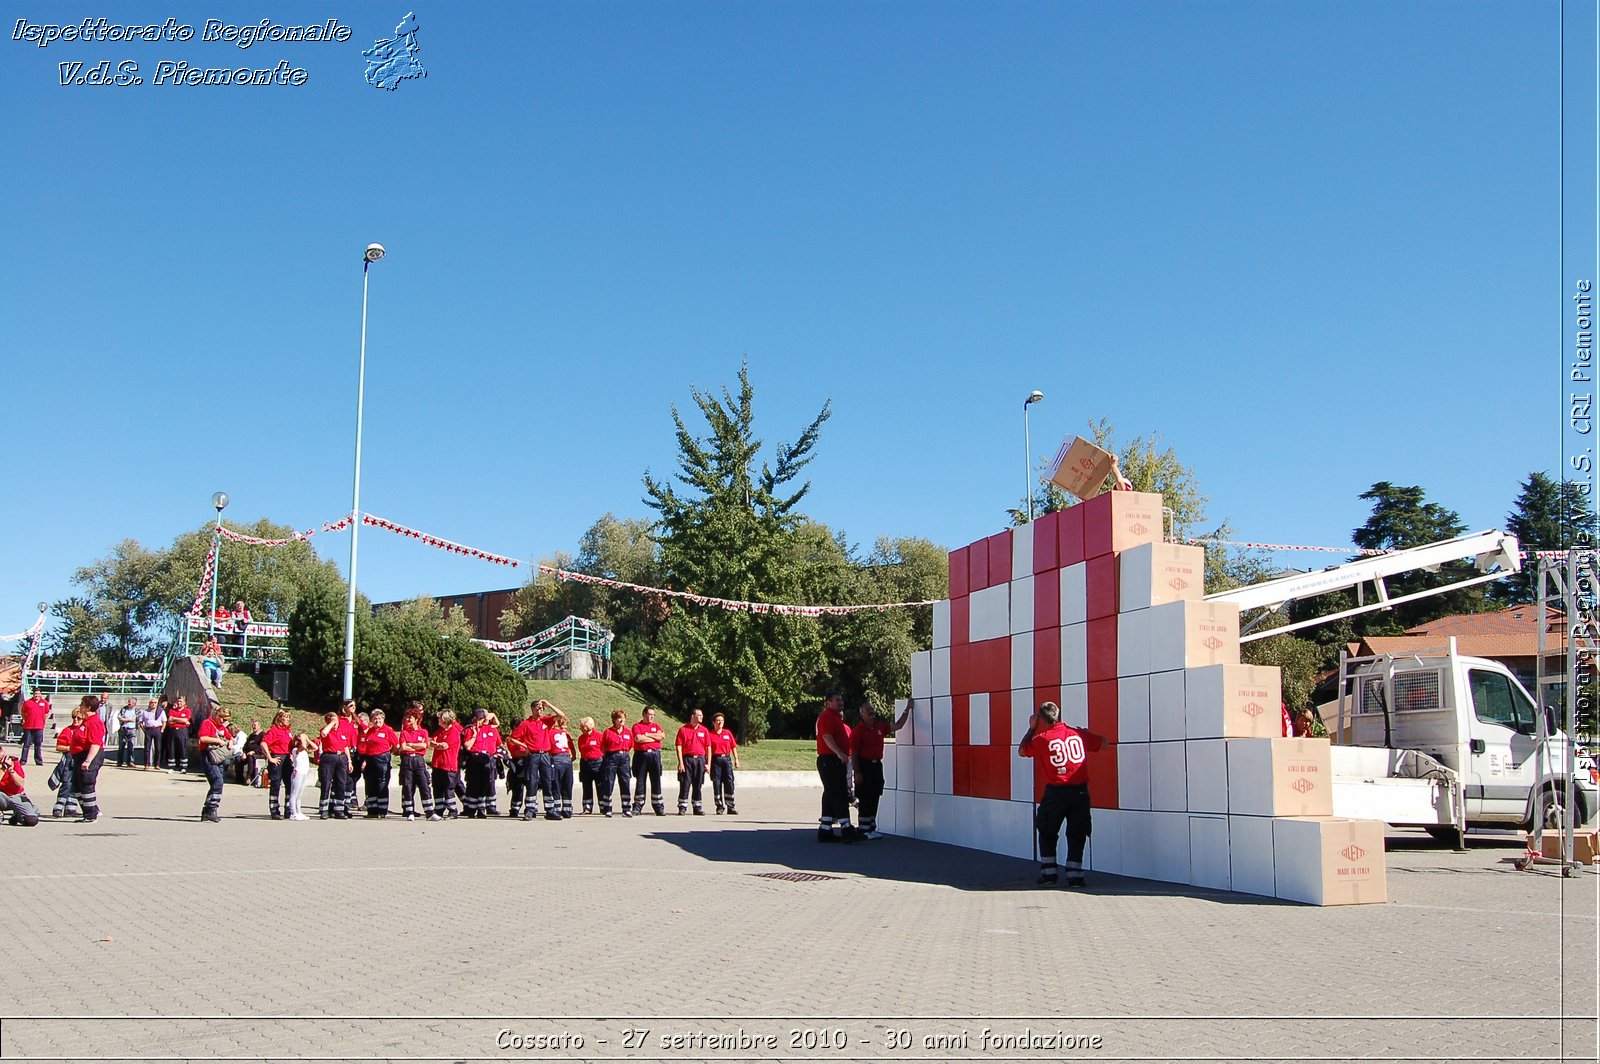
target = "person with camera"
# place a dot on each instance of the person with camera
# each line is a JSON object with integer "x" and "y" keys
{"x": 13, "y": 799}
{"x": 216, "y": 751}
{"x": 1061, "y": 761}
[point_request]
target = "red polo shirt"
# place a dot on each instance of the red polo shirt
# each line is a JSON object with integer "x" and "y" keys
{"x": 531, "y": 736}
{"x": 560, "y": 744}
{"x": 693, "y": 740}
{"x": 34, "y": 713}
{"x": 376, "y": 741}
{"x": 277, "y": 740}
{"x": 589, "y": 748}
{"x": 866, "y": 741}
{"x": 648, "y": 735}
{"x": 179, "y": 717}
{"x": 448, "y": 757}
{"x": 831, "y": 722}
{"x": 615, "y": 740}
{"x": 209, "y": 727}
{"x": 483, "y": 739}
{"x": 723, "y": 742}
{"x": 94, "y": 732}
{"x": 336, "y": 741}
{"x": 1060, "y": 754}
{"x": 412, "y": 737}
{"x": 11, "y": 779}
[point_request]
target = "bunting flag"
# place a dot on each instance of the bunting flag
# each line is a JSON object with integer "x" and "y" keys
{"x": 438, "y": 543}
{"x": 29, "y": 634}
{"x": 499, "y": 646}
{"x": 1365, "y": 552}
{"x": 294, "y": 537}
{"x": 732, "y": 605}
{"x": 44, "y": 674}
{"x": 33, "y": 647}
{"x": 207, "y": 575}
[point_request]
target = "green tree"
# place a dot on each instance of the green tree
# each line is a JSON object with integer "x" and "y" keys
{"x": 728, "y": 526}
{"x": 1547, "y": 515}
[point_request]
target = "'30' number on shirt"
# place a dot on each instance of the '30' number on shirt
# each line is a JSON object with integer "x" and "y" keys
{"x": 1068, "y": 751}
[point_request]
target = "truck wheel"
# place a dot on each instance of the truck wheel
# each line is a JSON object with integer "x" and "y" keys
{"x": 1552, "y": 808}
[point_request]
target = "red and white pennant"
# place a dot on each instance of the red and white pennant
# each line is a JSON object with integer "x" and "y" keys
{"x": 732, "y": 605}
{"x": 438, "y": 543}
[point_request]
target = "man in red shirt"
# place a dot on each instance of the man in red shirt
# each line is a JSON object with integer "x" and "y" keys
{"x": 647, "y": 737}
{"x": 177, "y": 737}
{"x": 724, "y": 759}
{"x": 616, "y": 744}
{"x": 350, "y": 729}
{"x": 479, "y": 744}
{"x": 693, "y": 743}
{"x": 333, "y": 769}
{"x": 529, "y": 747}
{"x": 446, "y": 746}
{"x": 376, "y": 747}
{"x": 13, "y": 799}
{"x": 90, "y": 760}
{"x": 413, "y": 750}
{"x": 1061, "y": 760}
{"x": 833, "y": 750}
{"x": 591, "y": 755}
{"x": 866, "y": 751}
{"x": 35, "y": 712}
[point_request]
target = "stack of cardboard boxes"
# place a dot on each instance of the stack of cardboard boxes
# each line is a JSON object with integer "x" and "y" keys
{"x": 1089, "y": 608}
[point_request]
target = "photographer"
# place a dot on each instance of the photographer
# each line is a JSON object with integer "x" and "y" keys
{"x": 13, "y": 799}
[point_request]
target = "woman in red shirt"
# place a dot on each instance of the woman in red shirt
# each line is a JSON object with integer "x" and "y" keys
{"x": 560, "y": 764}
{"x": 479, "y": 745}
{"x": 69, "y": 743}
{"x": 617, "y": 744}
{"x": 377, "y": 743}
{"x": 216, "y": 742}
{"x": 413, "y": 746}
{"x": 590, "y": 757}
{"x": 277, "y": 746}
{"x": 446, "y": 746}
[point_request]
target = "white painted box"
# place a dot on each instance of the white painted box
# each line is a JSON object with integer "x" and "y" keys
{"x": 1022, "y": 605}
{"x": 1074, "y": 594}
{"x": 1169, "y": 777}
{"x": 1133, "y": 643}
{"x": 941, "y": 672}
{"x": 1133, "y": 775}
{"x": 1208, "y": 852}
{"x": 1250, "y": 855}
{"x": 1133, "y": 709}
{"x": 1075, "y": 705}
{"x": 1074, "y": 653}
{"x": 1022, "y": 661}
{"x": 1208, "y": 775}
{"x": 989, "y": 612}
{"x": 941, "y": 623}
{"x": 1166, "y": 706}
{"x": 978, "y": 720}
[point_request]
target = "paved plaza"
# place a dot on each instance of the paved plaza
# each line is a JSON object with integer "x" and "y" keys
{"x": 149, "y": 935}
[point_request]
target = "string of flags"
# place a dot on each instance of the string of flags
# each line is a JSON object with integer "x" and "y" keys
{"x": 503, "y": 647}
{"x": 29, "y": 634}
{"x": 296, "y": 537}
{"x": 732, "y": 605}
{"x": 437, "y": 543}
{"x": 46, "y": 674}
{"x": 1360, "y": 551}
{"x": 206, "y": 577}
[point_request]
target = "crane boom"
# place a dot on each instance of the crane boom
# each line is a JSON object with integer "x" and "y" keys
{"x": 1494, "y": 554}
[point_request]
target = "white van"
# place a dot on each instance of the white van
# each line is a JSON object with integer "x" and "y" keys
{"x": 1469, "y": 716}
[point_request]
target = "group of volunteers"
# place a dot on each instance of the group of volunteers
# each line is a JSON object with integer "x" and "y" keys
{"x": 455, "y": 760}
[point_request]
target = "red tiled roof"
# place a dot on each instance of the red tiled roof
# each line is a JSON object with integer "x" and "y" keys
{"x": 1486, "y": 645}
{"x": 1518, "y": 620}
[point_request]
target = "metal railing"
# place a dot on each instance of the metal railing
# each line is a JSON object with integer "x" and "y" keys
{"x": 53, "y": 682}
{"x": 528, "y": 654}
{"x": 257, "y": 641}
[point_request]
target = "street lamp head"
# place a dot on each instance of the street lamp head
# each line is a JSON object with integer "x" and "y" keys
{"x": 43, "y": 606}
{"x": 220, "y": 501}
{"x": 1033, "y": 397}
{"x": 374, "y": 252}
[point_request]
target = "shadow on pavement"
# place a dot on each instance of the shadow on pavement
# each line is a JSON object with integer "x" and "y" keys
{"x": 896, "y": 859}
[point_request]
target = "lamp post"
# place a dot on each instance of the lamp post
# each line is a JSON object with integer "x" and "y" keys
{"x": 1027, "y": 451}
{"x": 373, "y": 253}
{"x": 220, "y": 502}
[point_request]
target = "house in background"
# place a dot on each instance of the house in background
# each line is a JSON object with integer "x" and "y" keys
{"x": 482, "y": 608}
{"x": 1510, "y": 637}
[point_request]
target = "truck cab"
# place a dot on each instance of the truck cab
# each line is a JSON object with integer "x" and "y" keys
{"x": 1473, "y": 717}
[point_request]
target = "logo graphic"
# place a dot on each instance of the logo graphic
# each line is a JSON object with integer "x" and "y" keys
{"x": 1085, "y": 464}
{"x": 393, "y": 61}
{"x": 1352, "y": 853}
{"x": 1212, "y": 642}
{"x": 1302, "y": 785}
{"x": 1138, "y": 528}
{"x": 1252, "y": 709}
{"x": 1177, "y": 583}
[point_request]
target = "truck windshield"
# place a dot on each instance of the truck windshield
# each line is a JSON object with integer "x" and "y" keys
{"x": 1496, "y": 701}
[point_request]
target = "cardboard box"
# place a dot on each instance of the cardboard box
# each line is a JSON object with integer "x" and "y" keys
{"x": 1280, "y": 777}
{"x": 1047, "y": 600}
{"x": 1166, "y": 706}
{"x": 1234, "y": 702}
{"x": 1075, "y": 705}
{"x": 1000, "y": 733}
{"x": 1585, "y": 845}
{"x": 1100, "y": 637}
{"x": 990, "y": 616}
{"x": 1208, "y": 775}
{"x": 1074, "y": 653}
{"x": 1022, "y": 660}
{"x": 921, "y": 727}
{"x": 1169, "y": 777}
{"x": 1046, "y": 658}
{"x": 922, "y": 674}
{"x": 1045, "y": 531}
{"x": 1119, "y": 521}
{"x": 1100, "y": 587}
{"x": 1169, "y": 853}
{"x": 1133, "y": 643}
{"x": 978, "y": 720}
{"x": 1000, "y": 558}
{"x": 1153, "y": 573}
{"x": 941, "y": 623}
{"x": 921, "y": 770}
{"x": 1081, "y": 468}
{"x": 977, "y": 566}
{"x": 961, "y": 620}
{"x": 1133, "y": 709}
{"x": 1133, "y": 775}
{"x": 891, "y": 757}
{"x": 1329, "y": 861}
{"x": 943, "y": 770}
{"x": 1069, "y": 537}
{"x": 1021, "y": 773}
{"x": 1208, "y": 852}
{"x": 1021, "y": 551}
{"x": 1104, "y": 787}
{"x": 1187, "y": 635}
{"x": 1104, "y": 852}
{"x": 1022, "y": 605}
{"x": 1250, "y": 855}
{"x": 1103, "y": 709}
{"x": 1074, "y": 593}
{"x": 1138, "y": 843}
{"x": 941, "y": 671}
{"x": 959, "y": 572}
{"x": 944, "y": 720}
{"x": 905, "y": 813}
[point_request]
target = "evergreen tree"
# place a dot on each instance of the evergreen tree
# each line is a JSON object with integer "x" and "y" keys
{"x": 729, "y": 528}
{"x": 1546, "y": 516}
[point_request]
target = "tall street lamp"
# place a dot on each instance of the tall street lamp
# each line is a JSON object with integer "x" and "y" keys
{"x": 374, "y": 252}
{"x": 1027, "y": 450}
{"x": 220, "y": 502}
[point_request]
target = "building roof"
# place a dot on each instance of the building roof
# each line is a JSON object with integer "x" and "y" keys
{"x": 1518, "y": 620}
{"x": 1510, "y": 633}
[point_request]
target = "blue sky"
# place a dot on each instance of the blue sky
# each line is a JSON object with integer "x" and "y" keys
{"x": 1313, "y": 246}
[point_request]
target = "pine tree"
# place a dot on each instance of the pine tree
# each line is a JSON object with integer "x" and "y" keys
{"x": 1546, "y": 516}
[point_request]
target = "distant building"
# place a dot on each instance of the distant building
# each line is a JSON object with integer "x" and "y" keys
{"x": 1510, "y": 637}
{"x": 482, "y": 608}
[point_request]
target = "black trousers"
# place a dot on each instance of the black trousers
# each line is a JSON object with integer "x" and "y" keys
{"x": 539, "y": 780}
{"x": 88, "y": 772}
{"x": 614, "y": 772}
{"x": 375, "y": 773}
{"x": 278, "y": 774}
{"x": 835, "y": 795}
{"x": 445, "y": 790}
{"x": 870, "y": 792}
{"x": 647, "y": 769}
{"x": 333, "y": 779}
{"x": 480, "y": 783}
{"x": 589, "y": 777}
{"x": 690, "y": 780}
{"x": 1067, "y": 803}
{"x": 214, "y": 780}
{"x": 414, "y": 781}
{"x": 177, "y": 742}
{"x": 561, "y": 783}
{"x": 722, "y": 781}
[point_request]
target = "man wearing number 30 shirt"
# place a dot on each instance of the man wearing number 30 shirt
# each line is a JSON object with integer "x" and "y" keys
{"x": 1061, "y": 760}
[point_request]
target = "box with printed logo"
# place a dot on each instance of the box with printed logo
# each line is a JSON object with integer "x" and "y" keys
{"x": 1081, "y": 468}
{"x": 1280, "y": 777}
{"x": 1328, "y": 860}
{"x": 1153, "y": 573}
{"x": 1187, "y": 635}
{"x": 1233, "y": 702}
{"x": 1119, "y": 521}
